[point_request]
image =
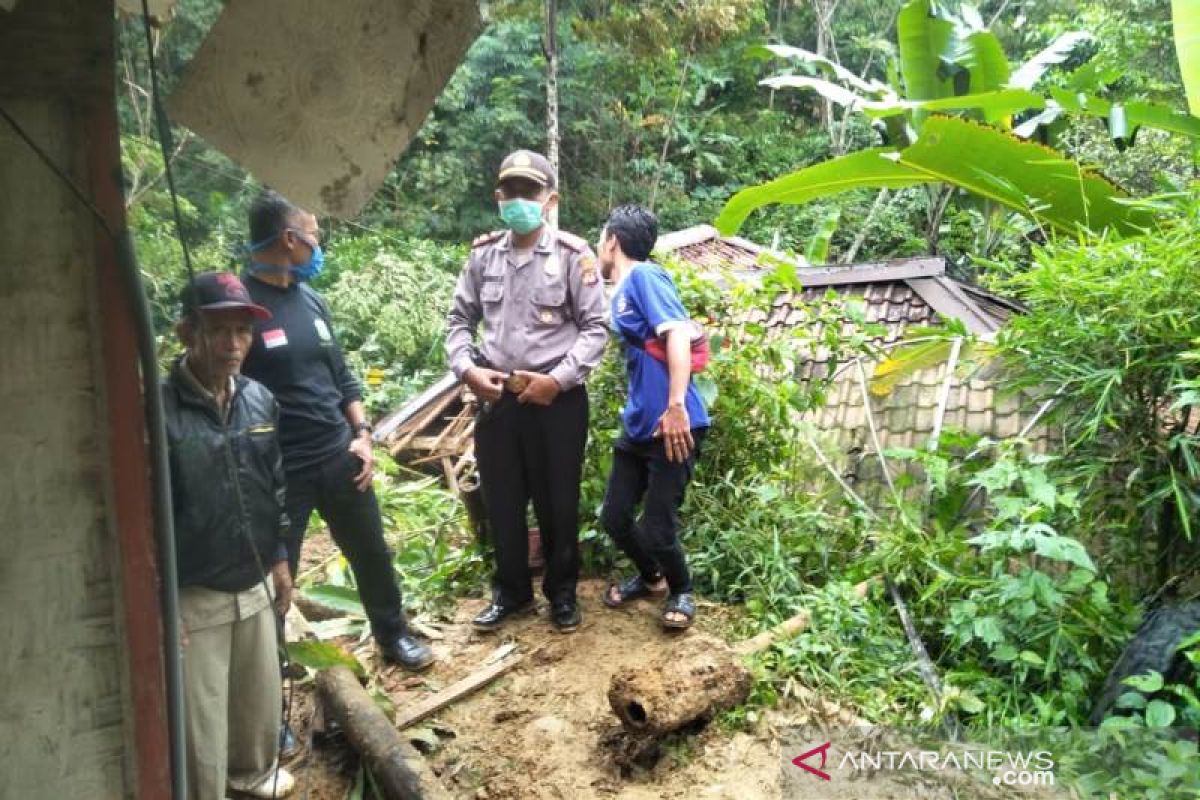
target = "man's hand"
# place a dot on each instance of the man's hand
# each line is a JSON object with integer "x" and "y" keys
{"x": 361, "y": 447}
{"x": 542, "y": 389}
{"x": 487, "y": 384}
{"x": 675, "y": 428}
{"x": 281, "y": 576}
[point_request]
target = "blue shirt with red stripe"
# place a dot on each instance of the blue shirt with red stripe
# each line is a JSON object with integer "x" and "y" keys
{"x": 645, "y": 305}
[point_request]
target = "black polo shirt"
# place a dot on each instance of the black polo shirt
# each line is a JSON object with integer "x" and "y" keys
{"x": 297, "y": 357}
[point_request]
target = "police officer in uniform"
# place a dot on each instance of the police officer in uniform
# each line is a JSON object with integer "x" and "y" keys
{"x": 538, "y": 294}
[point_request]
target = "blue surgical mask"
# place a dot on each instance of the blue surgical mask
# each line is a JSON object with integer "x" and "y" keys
{"x": 311, "y": 268}
{"x": 304, "y": 272}
{"x": 521, "y": 216}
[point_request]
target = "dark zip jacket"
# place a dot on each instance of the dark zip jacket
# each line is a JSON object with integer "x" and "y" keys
{"x": 227, "y": 483}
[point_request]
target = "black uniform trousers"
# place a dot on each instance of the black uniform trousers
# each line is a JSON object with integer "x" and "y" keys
{"x": 641, "y": 470}
{"x": 530, "y": 452}
{"x": 354, "y": 522}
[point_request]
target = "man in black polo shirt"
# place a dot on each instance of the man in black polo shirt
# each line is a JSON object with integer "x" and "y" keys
{"x": 323, "y": 429}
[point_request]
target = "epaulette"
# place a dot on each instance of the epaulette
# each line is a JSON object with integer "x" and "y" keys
{"x": 576, "y": 244}
{"x": 486, "y": 238}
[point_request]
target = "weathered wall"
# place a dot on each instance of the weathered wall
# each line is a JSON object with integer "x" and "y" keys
{"x": 61, "y": 705}
{"x": 64, "y": 719}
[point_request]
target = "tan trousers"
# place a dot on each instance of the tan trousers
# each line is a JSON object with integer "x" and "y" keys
{"x": 232, "y": 688}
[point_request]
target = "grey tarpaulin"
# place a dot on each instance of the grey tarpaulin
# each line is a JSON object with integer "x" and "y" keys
{"x": 318, "y": 99}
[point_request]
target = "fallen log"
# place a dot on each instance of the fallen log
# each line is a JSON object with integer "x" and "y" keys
{"x": 693, "y": 681}
{"x": 398, "y": 769}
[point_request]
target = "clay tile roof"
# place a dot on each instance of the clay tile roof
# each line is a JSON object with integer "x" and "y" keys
{"x": 899, "y": 292}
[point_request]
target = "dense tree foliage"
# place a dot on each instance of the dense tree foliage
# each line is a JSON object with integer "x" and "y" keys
{"x": 1024, "y": 597}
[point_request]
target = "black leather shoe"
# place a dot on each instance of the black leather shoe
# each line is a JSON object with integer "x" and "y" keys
{"x": 566, "y": 616}
{"x": 490, "y": 618}
{"x": 407, "y": 651}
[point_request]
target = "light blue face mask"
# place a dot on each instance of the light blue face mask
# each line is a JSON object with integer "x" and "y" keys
{"x": 303, "y": 272}
{"x": 316, "y": 262}
{"x": 521, "y": 216}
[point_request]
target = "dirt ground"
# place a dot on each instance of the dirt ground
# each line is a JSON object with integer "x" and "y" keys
{"x": 544, "y": 730}
{"x": 540, "y": 730}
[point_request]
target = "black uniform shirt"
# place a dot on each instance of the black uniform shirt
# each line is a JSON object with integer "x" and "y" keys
{"x": 296, "y": 356}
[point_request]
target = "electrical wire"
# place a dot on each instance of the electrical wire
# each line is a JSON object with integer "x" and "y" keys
{"x": 155, "y": 421}
{"x": 166, "y": 144}
{"x": 62, "y": 176}
{"x": 165, "y": 140}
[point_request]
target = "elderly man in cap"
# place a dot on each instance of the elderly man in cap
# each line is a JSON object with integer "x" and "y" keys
{"x": 227, "y": 487}
{"x": 537, "y": 293}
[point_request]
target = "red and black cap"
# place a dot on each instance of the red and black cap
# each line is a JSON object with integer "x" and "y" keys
{"x": 530, "y": 165}
{"x": 214, "y": 291}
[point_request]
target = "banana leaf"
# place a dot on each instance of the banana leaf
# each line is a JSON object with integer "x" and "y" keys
{"x": 1028, "y": 74}
{"x": 982, "y": 56}
{"x": 987, "y": 162}
{"x": 994, "y": 105}
{"x": 864, "y": 168}
{"x": 817, "y": 251}
{"x": 1025, "y": 176}
{"x": 925, "y": 42}
{"x": 1185, "y": 16}
{"x": 1138, "y": 113}
{"x": 835, "y": 93}
{"x": 820, "y": 62}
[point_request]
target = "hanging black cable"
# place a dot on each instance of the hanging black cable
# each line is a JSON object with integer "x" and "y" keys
{"x": 62, "y": 176}
{"x": 165, "y": 140}
{"x": 164, "y": 529}
{"x": 173, "y": 655}
{"x": 166, "y": 144}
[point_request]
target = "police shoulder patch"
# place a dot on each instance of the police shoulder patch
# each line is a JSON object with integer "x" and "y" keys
{"x": 487, "y": 238}
{"x": 589, "y": 273}
{"x": 576, "y": 244}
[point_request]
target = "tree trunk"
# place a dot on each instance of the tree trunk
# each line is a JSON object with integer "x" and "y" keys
{"x": 398, "y": 769}
{"x": 824, "y": 10}
{"x": 778, "y": 37}
{"x": 861, "y": 238}
{"x": 551, "y": 50}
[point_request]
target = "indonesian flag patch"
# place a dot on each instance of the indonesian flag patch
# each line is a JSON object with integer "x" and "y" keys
{"x": 274, "y": 338}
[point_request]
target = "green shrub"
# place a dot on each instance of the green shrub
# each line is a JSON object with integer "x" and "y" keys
{"x": 389, "y": 299}
{"x": 1110, "y": 332}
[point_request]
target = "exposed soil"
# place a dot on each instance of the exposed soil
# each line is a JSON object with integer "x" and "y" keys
{"x": 544, "y": 729}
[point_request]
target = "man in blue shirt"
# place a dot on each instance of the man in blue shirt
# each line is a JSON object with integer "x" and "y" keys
{"x": 664, "y": 419}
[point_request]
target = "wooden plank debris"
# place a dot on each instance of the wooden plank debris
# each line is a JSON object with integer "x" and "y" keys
{"x": 455, "y": 692}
